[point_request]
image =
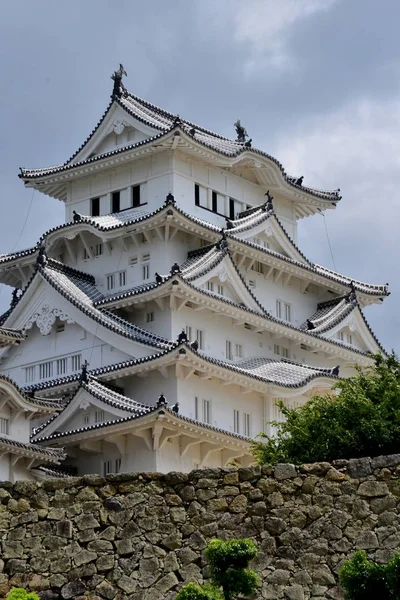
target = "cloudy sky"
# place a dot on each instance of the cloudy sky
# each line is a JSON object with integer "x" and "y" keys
{"x": 315, "y": 82}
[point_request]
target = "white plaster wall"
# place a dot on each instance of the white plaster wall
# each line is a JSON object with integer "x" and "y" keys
{"x": 155, "y": 172}
{"x": 138, "y": 457}
{"x": 18, "y": 472}
{"x": 148, "y": 389}
{"x": 224, "y": 399}
{"x": 73, "y": 340}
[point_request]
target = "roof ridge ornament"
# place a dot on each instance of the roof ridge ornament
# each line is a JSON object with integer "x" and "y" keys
{"x": 241, "y": 134}
{"x": 41, "y": 260}
{"x": 84, "y": 377}
{"x": 268, "y": 204}
{"x": 119, "y": 89}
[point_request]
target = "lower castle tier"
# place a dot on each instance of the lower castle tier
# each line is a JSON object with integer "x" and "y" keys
{"x": 156, "y": 329}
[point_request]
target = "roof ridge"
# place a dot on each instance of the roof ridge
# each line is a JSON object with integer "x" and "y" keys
{"x": 67, "y": 270}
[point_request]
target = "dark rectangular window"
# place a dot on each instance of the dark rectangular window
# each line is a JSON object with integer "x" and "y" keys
{"x": 115, "y": 202}
{"x": 95, "y": 207}
{"x": 136, "y": 196}
{"x": 197, "y": 194}
{"x": 214, "y": 202}
{"x": 231, "y": 208}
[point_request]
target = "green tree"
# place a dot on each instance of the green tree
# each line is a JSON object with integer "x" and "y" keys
{"x": 229, "y": 572}
{"x": 229, "y": 563}
{"x": 361, "y": 419}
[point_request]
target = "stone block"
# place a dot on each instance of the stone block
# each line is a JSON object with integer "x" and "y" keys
{"x": 284, "y": 471}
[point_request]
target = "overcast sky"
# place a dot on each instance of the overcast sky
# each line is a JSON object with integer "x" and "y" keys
{"x": 315, "y": 82}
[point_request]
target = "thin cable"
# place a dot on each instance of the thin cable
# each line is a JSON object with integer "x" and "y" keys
{"x": 329, "y": 243}
{"x": 22, "y": 231}
{"x": 25, "y": 222}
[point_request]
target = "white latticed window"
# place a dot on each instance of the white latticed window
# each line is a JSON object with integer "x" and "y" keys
{"x": 76, "y": 360}
{"x": 284, "y": 311}
{"x": 220, "y": 290}
{"x": 246, "y": 424}
{"x": 228, "y": 350}
{"x": 200, "y": 338}
{"x": 281, "y": 351}
{"x": 4, "y": 426}
{"x": 110, "y": 279}
{"x": 30, "y": 374}
{"x": 99, "y": 416}
{"x": 46, "y": 370}
{"x": 236, "y": 421}
{"x": 62, "y": 366}
{"x": 239, "y": 350}
{"x": 207, "y": 411}
{"x": 149, "y": 317}
{"x": 86, "y": 419}
{"x": 107, "y": 467}
{"x": 122, "y": 278}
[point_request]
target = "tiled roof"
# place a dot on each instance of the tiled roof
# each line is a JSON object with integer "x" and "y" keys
{"x": 48, "y": 454}
{"x": 293, "y": 375}
{"x": 80, "y": 290}
{"x": 165, "y": 122}
{"x": 56, "y": 471}
{"x": 366, "y": 288}
{"x": 55, "y": 404}
{"x": 11, "y": 334}
{"x": 131, "y": 216}
{"x": 103, "y": 393}
{"x": 108, "y": 396}
{"x": 330, "y": 313}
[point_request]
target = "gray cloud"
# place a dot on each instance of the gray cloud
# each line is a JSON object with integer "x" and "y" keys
{"x": 315, "y": 83}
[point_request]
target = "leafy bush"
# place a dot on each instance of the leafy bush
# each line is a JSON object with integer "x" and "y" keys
{"x": 363, "y": 579}
{"x": 363, "y": 419}
{"x": 192, "y": 591}
{"x": 21, "y": 594}
{"x": 228, "y": 569}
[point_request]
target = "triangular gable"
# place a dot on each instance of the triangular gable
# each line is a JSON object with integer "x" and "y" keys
{"x": 216, "y": 267}
{"x": 51, "y": 295}
{"x": 263, "y": 228}
{"x": 355, "y": 326}
{"x": 117, "y": 129}
{"x": 92, "y": 403}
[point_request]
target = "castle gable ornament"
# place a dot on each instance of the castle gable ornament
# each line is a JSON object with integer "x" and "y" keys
{"x": 45, "y": 318}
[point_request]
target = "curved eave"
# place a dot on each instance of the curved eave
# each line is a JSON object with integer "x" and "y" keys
{"x": 8, "y": 445}
{"x": 161, "y": 415}
{"x": 231, "y": 309}
{"x": 51, "y": 181}
{"x": 367, "y": 293}
{"x": 114, "y": 326}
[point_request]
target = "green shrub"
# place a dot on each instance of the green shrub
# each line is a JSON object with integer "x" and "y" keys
{"x": 363, "y": 579}
{"x": 228, "y": 569}
{"x": 192, "y": 591}
{"x": 21, "y": 594}
{"x": 363, "y": 419}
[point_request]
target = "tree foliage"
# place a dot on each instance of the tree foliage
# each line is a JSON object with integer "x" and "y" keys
{"x": 361, "y": 419}
{"x": 229, "y": 563}
{"x": 21, "y": 594}
{"x": 229, "y": 572}
{"x": 192, "y": 591}
{"x": 363, "y": 579}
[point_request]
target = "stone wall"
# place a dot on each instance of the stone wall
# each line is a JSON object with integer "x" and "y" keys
{"x": 140, "y": 536}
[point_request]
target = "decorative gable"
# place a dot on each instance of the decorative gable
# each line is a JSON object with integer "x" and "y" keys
{"x": 116, "y": 130}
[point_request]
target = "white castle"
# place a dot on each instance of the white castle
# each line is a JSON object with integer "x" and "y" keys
{"x": 157, "y": 327}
